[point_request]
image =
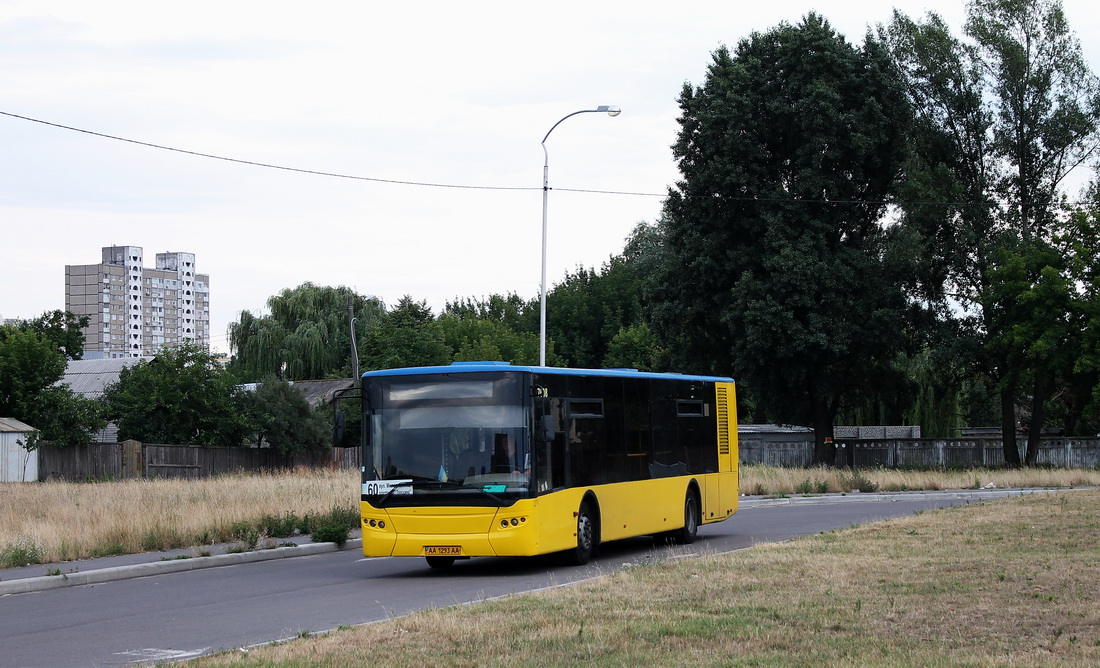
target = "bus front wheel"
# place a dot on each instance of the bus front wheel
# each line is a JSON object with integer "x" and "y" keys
{"x": 586, "y": 537}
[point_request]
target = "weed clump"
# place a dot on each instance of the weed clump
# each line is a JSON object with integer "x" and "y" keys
{"x": 292, "y": 524}
{"x": 858, "y": 481}
{"x": 23, "y": 552}
{"x": 331, "y": 533}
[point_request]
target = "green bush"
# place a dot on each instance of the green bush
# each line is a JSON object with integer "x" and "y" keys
{"x": 331, "y": 533}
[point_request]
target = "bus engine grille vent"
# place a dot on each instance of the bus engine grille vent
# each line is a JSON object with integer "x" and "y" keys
{"x": 723, "y": 421}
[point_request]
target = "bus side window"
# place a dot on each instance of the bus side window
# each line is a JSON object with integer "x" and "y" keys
{"x": 550, "y": 444}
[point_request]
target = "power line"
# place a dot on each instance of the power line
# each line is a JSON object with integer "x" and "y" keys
{"x": 268, "y": 165}
{"x": 513, "y": 188}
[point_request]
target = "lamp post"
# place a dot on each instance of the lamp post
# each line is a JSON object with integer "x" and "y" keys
{"x": 611, "y": 110}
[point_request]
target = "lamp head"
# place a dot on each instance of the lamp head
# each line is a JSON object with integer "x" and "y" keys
{"x": 611, "y": 109}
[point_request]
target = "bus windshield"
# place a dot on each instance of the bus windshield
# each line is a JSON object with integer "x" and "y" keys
{"x": 468, "y": 438}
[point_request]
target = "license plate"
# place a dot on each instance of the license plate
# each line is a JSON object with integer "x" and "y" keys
{"x": 442, "y": 551}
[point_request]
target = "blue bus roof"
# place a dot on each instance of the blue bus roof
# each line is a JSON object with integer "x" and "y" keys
{"x": 473, "y": 367}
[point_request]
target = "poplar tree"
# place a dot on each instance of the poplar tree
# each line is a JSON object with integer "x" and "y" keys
{"x": 1002, "y": 120}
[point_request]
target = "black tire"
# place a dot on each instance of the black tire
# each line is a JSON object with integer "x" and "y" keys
{"x": 440, "y": 562}
{"x": 686, "y": 534}
{"x": 586, "y": 537}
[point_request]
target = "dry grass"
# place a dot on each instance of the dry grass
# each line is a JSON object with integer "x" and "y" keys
{"x": 1008, "y": 583}
{"x": 61, "y": 521}
{"x": 770, "y": 480}
{"x": 58, "y": 521}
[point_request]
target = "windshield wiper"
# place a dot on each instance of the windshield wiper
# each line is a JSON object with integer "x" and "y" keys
{"x": 402, "y": 483}
{"x": 477, "y": 488}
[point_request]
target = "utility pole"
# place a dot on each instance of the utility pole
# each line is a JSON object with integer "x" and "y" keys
{"x": 354, "y": 347}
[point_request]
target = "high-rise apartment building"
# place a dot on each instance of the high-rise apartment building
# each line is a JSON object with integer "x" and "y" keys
{"x": 133, "y": 310}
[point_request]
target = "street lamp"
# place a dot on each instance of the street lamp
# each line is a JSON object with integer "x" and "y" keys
{"x": 611, "y": 110}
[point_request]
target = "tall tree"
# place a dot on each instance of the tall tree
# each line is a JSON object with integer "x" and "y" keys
{"x": 1002, "y": 121}
{"x": 1033, "y": 317}
{"x": 1079, "y": 240}
{"x": 1046, "y": 103}
{"x": 306, "y": 335}
{"x": 774, "y": 239}
{"x": 634, "y": 347}
{"x": 31, "y": 367}
{"x": 589, "y": 308}
{"x": 408, "y": 335}
{"x": 475, "y": 339}
{"x": 64, "y": 328}
{"x": 499, "y": 327}
{"x": 511, "y": 310}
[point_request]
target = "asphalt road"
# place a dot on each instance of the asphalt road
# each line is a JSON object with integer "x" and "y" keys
{"x": 171, "y": 616}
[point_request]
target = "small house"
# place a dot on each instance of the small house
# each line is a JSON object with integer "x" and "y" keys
{"x": 17, "y": 463}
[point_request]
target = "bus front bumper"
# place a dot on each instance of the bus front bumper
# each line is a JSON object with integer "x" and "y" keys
{"x": 448, "y": 531}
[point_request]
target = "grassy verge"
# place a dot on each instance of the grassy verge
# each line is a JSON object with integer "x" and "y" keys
{"x": 58, "y": 521}
{"x": 1008, "y": 583}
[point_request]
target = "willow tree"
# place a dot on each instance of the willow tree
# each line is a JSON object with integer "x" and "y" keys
{"x": 306, "y": 335}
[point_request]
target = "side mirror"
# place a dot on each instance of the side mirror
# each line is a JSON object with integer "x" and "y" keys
{"x": 338, "y": 429}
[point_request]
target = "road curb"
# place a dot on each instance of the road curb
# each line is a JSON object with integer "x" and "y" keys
{"x": 100, "y": 575}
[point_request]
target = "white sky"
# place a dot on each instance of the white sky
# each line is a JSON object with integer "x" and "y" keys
{"x": 436, "y": 92}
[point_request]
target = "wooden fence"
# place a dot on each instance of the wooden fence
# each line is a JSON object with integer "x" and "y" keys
{"x": 131, "y": 459}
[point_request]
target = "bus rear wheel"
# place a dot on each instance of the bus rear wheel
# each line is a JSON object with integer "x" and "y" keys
{"x": 586, "y": 537}
{"x": 440, "y": 562}
{"x": 686, "y": 535}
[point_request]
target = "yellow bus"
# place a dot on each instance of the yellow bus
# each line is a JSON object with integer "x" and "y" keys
{"x": 490, "y": 459}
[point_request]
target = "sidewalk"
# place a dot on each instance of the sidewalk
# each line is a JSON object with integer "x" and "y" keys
{"x": 105, "y": 569}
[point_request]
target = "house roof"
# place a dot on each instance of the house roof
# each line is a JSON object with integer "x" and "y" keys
{"x": 772, "y": 429}
{"x": 318, "y": 392}
{"x": 88, "y": 378}
{"x": 9, "y": 425}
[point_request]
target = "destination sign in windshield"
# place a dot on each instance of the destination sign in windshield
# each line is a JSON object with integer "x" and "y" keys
{"x": 378, "y": 487}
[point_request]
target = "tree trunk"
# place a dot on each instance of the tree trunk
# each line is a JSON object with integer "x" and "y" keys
{"x": 1073, "y": 416}
{"x": 1035, "y": 432}
{"x": 1008, "y": 423}
{"x": 823, "y": 427}
{"x": 760, "y": 415}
